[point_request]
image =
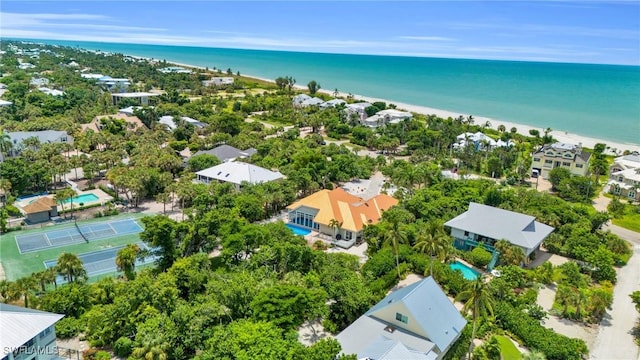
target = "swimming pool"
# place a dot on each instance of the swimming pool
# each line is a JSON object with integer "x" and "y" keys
{"x": 298, "y": 230}
{"x": 467, "y": 272}
{"x": 84, "y": 198}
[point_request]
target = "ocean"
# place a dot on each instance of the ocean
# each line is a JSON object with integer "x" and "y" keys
{"x": 599, "y": 101}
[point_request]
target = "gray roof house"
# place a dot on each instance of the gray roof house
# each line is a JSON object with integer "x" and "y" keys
{"x": 44, "y": 137}
{"x": 169, "y": 121}
{"x": 236, "y": 172}
{"x": 488, "y": 224}
{"x": 227, "y": 153}
{"x": 414, "y": 322}
{"x": 27, "y": 333}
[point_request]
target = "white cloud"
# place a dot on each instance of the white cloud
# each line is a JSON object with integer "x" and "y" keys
{"x": 426, "y": 38}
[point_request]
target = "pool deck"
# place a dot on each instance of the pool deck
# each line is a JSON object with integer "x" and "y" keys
{"x": 103, "y": 197}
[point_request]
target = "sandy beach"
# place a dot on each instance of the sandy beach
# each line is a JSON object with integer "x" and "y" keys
{"x": 558, "y": 134}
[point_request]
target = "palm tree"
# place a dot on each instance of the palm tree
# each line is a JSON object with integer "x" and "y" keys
{"x": 70, "y": 266}
{"x": 433, "y": 240}
{"x": 150, "y": 350}
{"x": 5, "y": 188}
{"x": 5, "y": 291}
{"x": 579, "y": 299}
{"x": 335, "y": 224}
{"x": 24, "y": 287}
{"x": 5, "y": 145}
{"x": 564, "y": 296}
{"x": 63, "y": 195}
{"x": 395, "y": 236}
{"x": 479, "y": 300}
{"x": 126, "y": 260}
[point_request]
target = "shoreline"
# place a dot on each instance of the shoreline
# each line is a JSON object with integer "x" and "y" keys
{"x": 558, "y": 134}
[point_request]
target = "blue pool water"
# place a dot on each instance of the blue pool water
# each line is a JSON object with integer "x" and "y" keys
{"x": 84, "y": 198}
{"x": 467, "y": 272}
{"x": 299, "y": 230}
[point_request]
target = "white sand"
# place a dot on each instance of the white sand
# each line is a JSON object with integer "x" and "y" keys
{"x": 557, "y": 134}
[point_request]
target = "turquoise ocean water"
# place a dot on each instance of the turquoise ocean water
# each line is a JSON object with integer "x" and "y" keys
{"x": 600, "y": 101}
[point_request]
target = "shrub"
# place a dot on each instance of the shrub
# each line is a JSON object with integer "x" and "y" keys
{"x": 319, "y": 245}
{"x": 535, "y": 336}
{"x": 12, "y": 210}
{"x": 123, "y": 347}
{"x": 102, "y": 355}
{"x": 68, "y": 327}
{"x": 480, "y": 257}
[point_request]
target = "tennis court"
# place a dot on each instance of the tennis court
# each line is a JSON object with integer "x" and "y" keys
{"x": 103, "y": 261}
{"x": 75, "y": 234}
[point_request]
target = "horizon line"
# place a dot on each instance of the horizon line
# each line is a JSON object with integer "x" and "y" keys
{"x": 409, "y": 55}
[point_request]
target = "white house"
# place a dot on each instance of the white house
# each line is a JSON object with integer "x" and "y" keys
{"x": 332, "y": 103}
{"x": 174, "y": 70}
{"x": 236, "y": 172}
{"x": 479, "y": 141}
{"x": 27, "y": 334}
{"x": 140, "y": 97}
{"x": 624, "y": 176}
{"x": 218, "y": 81}
{"x": 416, "y": 322}
{"x": 169, "y": 121}
{"x": 388, "y": 116}
{"x": 39, "y": 81}
{"x": 487, "y": 224}
{"x": 358, "y": 109}
{"x": 51, "y": 92}
{"x": 227, "y": 153}
{"x": 5, "y": 103}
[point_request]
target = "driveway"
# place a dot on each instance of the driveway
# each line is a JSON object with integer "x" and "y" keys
{"x": 614, "y": 340}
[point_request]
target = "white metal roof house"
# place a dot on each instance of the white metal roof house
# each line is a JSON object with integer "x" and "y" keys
{"x": 414, "y": 322}
{"x": 299, "y": 99}
{"x": 51, "y": 92}
{"x": 27, "y": 333}
{"x": 384, "y": 117}
{"x": 218, "y": 81}
{"x": 141, "y": 97}
{"x": 332, "y": 103}
{"x": 236, "y": 172}
{"x": 169, "y": 121}
{"x": 488, "y": 224}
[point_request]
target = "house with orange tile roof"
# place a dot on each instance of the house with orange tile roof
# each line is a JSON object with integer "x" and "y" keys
{"x": 132, "y": 122}
{"x": 40, "y": 210}
{"x": 339, "y": 214}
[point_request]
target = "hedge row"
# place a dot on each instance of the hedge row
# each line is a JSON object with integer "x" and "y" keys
{"x": 536, "y": 336}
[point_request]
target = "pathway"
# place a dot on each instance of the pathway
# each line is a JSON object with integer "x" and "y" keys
{"x": 615, "y": 340}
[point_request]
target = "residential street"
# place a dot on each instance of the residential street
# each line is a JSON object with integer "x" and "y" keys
{"x": 614, "y": 340}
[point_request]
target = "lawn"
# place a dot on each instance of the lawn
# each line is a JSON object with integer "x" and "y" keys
{"x": 630, "y": 220}
{"x": 18, "y": 265}
{"x": 507, "y": 349}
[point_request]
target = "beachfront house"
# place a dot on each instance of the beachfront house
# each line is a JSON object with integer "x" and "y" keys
{"x": 487, "y": 224}
{"x": 357, "y": 110}
{"x": 624, "y": 177}
{"x": 338, "y": 214}
{"x": 415, "y": 322}
{"x": 237, "y": 173}
{"x": 218, "y": 81}
{"x": 479, "y": 141}
{"x": 551, "y": 156}
{"x": 332, "y": 103}
{"x": 40, "y": 210}
{"x": 18, "y": 138}
{"x": 388, "y": 116}
{"x": 142, "y": 98}
{"x": 27, "y": 334}
{"x": 174, "y": 70}
{"x": 227, "y": 153}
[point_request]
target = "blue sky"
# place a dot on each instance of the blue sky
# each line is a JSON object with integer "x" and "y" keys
{"x": 587, "y": 31}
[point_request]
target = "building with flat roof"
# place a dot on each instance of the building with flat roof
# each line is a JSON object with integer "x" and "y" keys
{"x": 416, "y": 322}
{"x": 141, "y": 98}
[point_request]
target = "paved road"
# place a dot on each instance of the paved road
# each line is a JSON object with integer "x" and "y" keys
{"x": 614, "y": 340}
